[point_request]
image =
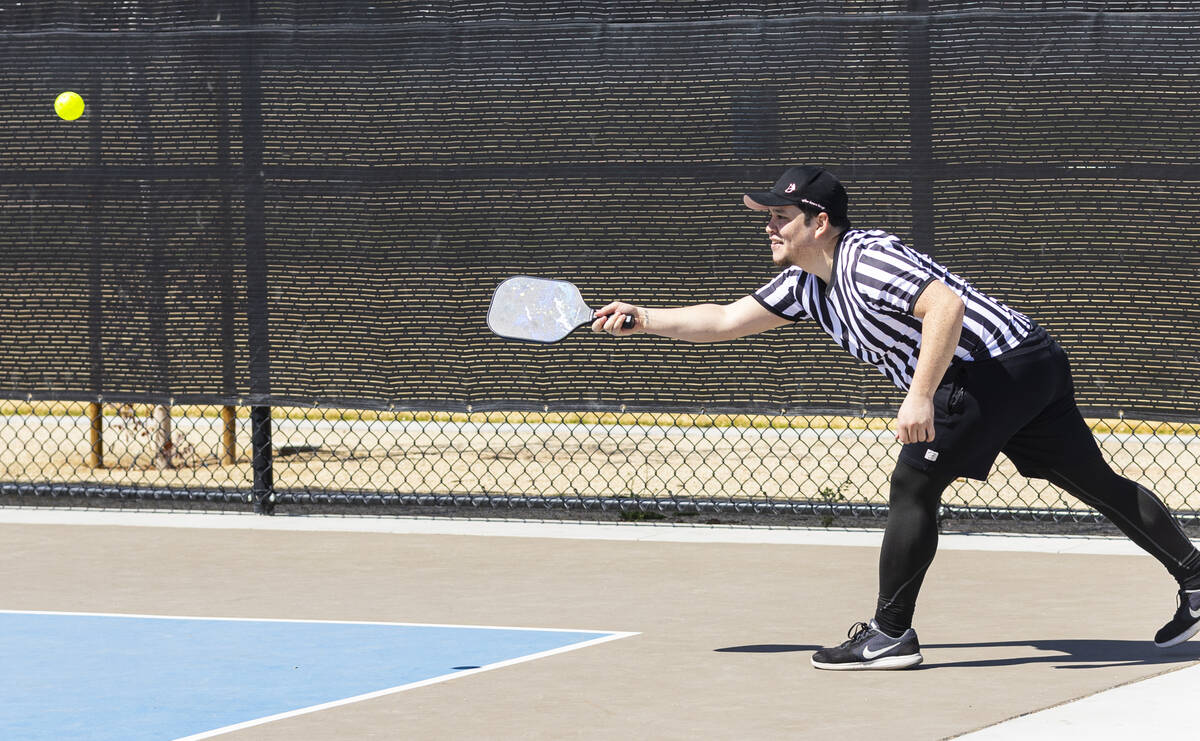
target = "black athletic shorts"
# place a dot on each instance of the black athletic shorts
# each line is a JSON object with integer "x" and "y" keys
{"x": 1021, "y": 403}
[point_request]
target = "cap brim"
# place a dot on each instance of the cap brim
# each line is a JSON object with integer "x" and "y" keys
{"x": 765, "y": 200}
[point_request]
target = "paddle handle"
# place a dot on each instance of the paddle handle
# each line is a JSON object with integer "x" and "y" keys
{"x": 627, "y": 324}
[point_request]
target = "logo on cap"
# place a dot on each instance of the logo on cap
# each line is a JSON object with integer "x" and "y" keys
{"x": 791, "y": 187}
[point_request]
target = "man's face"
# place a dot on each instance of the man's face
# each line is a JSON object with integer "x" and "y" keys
{"x": 790, "y": 236}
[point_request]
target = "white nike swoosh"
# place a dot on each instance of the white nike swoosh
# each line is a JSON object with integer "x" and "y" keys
{"x": 1194, "y": 613}
{"x": 869, "y": 654}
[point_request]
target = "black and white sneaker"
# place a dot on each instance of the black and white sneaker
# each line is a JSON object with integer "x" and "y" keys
{"x": 1185, "y": 624}
{"x": 870, "y": 648}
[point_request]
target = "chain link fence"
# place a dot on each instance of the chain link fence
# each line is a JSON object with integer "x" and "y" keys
{"x": 298, "y": 210}
{"x": 698, "y": 468}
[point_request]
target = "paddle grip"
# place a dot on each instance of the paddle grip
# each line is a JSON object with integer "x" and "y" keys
{"x": 627, "y": 324}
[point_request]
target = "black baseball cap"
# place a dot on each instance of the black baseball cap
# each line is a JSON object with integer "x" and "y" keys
{"x": 806, "y": 185}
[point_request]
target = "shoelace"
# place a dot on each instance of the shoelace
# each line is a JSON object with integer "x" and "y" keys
{"x": 856, "y": 631}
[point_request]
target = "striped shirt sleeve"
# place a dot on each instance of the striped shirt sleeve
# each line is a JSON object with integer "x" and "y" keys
{"x": 891, "y": 277}
{"x": 782, "y": 295}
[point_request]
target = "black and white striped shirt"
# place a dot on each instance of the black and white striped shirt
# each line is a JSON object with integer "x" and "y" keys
{"x": 867, "y": 306}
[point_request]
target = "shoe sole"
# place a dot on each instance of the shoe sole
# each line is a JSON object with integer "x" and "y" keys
{"x": 886, "y": 663}
{"x": 1181, "y": 637}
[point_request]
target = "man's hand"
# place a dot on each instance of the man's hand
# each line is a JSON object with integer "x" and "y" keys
{"x": 611, "y": 319}
{"x": 914, "y": 421}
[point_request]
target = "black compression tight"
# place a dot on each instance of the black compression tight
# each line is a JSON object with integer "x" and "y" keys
{"x": 910, "y": 541}
{"x": 1137, "y": 512}
{"x": 909, "y": 544}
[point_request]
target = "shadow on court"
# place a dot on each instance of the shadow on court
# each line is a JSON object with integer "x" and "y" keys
{"x": 1063, "y": 653}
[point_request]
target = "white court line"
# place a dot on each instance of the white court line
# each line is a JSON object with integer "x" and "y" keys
{"x": 867, "y": 538}
{"x": 401, "y": 688}
{"x": 1158, "y": 707}
{"x": 611, "y": 636}
{"x": 306, "y": 621}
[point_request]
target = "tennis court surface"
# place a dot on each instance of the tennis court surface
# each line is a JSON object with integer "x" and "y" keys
{"x": 126, "y": 677}
{"x": 319, "y": 628}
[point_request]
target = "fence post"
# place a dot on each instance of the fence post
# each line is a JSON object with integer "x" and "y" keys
{"x": 264, "y": 476}
{"x": 164, "y": 444}
{"x": 95, "y": 409}
{"x": 920, "y": 121}
{"x": 257, "y": 294}
{"x": 95, "y": 413}
{"x": 228, "y": 435}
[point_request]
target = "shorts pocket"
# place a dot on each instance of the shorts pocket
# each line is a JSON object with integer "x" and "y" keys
{"x": 954, "y": 404}
{"x": 954, "y": 390}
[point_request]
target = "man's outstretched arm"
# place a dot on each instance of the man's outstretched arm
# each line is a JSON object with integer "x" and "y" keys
{"x": 698, "y": 323}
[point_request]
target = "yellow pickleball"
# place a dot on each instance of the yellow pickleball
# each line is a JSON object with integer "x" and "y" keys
{"x": 68, "y": 106}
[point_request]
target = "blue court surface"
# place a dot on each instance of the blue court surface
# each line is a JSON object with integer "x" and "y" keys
{"x": 133, "y": 677}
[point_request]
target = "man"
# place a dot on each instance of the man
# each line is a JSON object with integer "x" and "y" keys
{"x": 980, "y": 378}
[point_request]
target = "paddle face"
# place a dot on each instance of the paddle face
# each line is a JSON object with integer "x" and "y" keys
{"x": 537, "y": 309}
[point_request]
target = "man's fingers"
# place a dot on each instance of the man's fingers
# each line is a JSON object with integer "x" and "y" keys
{"x": 615, "y": 322}
{"x": 612, "y": 318}
{"x": 604, "y": 317}
{"x": 914, "y": 433}
{"x": 914, "y": 420}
